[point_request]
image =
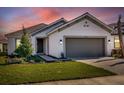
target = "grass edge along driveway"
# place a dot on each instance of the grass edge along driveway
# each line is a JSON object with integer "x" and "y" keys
{"x": 34, "y": 73}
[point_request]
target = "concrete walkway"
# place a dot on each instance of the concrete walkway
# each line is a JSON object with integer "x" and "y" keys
{"x": 113, "y": 65}
{"x": 48, "y": 58}
{"x": 108, "y": 80}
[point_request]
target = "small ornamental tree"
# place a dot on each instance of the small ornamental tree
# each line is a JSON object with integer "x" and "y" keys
{"x": 25, "y": 48}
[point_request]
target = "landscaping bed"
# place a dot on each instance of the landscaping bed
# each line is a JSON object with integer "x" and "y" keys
{"x": 3, "y": 60}
{"x": 34, "y": 73}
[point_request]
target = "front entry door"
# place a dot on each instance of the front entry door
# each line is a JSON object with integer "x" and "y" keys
{"x": 40, "y": 45}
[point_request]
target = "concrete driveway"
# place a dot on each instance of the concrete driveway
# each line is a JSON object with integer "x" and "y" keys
{"x": 108, "y": 63}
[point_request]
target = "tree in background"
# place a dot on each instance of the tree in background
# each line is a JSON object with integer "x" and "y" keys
{"x": 25, "y": 48}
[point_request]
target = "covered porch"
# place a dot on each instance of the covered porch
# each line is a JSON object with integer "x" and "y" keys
{"x": 40, "y": 46}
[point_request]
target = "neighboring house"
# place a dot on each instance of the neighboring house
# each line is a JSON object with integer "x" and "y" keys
{"x": 84, "y": 36}
{"x": 3, "y": 45}
{"x": 115, "y": 34}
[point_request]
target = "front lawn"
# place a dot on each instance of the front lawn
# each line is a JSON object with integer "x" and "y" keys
{"x": 29, "y": 73}
{"x": 3, "y": 60}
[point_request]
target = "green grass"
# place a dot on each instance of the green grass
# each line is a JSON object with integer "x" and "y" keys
{"x": 29, "y": 73}
{"x": 3, "y": 60}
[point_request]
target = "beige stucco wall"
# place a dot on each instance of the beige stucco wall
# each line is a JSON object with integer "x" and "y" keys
{"x": 55, "y": 48}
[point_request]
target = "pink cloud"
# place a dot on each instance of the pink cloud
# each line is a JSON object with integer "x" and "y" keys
{"x": 38, "y": 15}
{"x": 47, "y": 15}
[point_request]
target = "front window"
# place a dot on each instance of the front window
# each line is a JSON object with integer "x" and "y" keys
{"x": 18, "y": 41}
{"x": 1, "y": 50}
{"x": 116, "y": 42}
{"x": 4, "y": 47}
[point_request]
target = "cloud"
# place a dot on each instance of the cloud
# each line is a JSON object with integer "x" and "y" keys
{"x": 35, "y": 16}
{"x": 47, "y": 15}
{"x": 31, "y": 16}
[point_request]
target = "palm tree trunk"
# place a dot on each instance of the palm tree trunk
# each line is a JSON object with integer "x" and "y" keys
{"x": 120, "y": 35}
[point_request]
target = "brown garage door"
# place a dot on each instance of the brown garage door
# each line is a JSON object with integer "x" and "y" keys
{"x": 84, "y": 47}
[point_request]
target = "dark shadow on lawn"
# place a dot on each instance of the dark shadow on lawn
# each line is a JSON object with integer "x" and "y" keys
{"x": 117, "y": 64}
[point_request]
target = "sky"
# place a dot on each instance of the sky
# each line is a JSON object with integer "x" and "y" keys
{"x": 12, "y": 19}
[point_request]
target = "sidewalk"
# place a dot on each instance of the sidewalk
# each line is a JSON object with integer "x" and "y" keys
{"x": 108, "y": 80}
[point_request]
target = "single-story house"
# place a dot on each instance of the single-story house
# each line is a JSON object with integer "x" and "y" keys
{"x": 84, "y": 36}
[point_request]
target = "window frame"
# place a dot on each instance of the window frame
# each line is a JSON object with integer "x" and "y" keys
{"x": 16, "y": 42}
{"x": 116, "y": 42}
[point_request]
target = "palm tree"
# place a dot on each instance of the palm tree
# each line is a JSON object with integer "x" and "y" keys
{"x": 120, "y": 35}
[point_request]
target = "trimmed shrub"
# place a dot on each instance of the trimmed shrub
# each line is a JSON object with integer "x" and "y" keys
{"x": 117, "y": 53}
{"x": 14, "y": 55}
{"x": 34, "y": 59}
{"x": 14, "y": 60}
{"x": 3, "y": 54}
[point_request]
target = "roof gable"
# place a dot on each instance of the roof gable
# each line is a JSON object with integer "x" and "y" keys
{"x": 29, "y": 30}
{"x": 51, "y": 26}
{"x": 78, "y": 19}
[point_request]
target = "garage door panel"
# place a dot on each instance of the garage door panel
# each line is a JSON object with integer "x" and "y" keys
{"x": 84, "y": 47}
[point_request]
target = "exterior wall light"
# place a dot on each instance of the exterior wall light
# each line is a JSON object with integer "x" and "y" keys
{"x": 108, "y": 40}
{"x": 60, "y": 42}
